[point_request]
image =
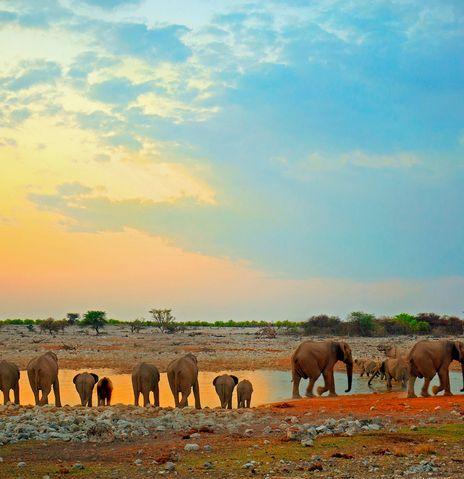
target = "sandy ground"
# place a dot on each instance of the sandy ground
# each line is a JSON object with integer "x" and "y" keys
{"x": 423, "y": 437}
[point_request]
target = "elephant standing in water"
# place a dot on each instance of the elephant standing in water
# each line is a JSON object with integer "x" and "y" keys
{"x": 393, "y": 368}
{"x": 104, "y": 391}
{"x": 85, "y": 382}
{"x": 183, "y": 377}
{"x": 145, "y": 378}
{"x": 225, "y": 386}
{"x": 313, "y": 358}
{"x": 426, "y": 358}
{"x": 9, "y": 379}
{"x": 244, "y": 392}
{"x": 43, "y": 374}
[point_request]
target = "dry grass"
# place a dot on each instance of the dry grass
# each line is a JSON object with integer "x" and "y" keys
{"x": 425, "y": 449}
{"x": 399, "y": 452}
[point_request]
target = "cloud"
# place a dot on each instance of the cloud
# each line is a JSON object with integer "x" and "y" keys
{"x": 117, "y": 91}
{"x": 20, "y": 115}
{"x": 73, "y": 189}
{"x": 35, "y": 73}
{"x": 151, "y": 44}
{"x": 111, "y": 4}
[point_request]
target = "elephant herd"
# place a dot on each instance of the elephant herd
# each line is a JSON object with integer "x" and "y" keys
{"x": 425, "y": 359}
{"x": 311, "y": 359}
{"x": 182, "y": 374}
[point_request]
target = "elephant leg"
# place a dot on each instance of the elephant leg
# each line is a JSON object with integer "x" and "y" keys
{"x": 309, "y": 390}
{"x": 389, "y": 381}
{"x": 411, "y": 382}
{"x": 248, "y": 403}
{"x": 185, "y": 393}
{"x": 229, "y": 403}
{"x": 322, "y": 389}
{"x": 146, "y": 397}
{"x": 6, "y": 394}
{"x": 16, "y": 393}
{"x": 136, "y": 397}
{"x": 296, "y": 378}
{"x": 196, "y": 394}
{"x": 156, "y": 395}
{"x": 56, "y": 391}
{"x": 443, "y": 374}
{"x": 45, "y": 392}
{"x": 425, "y": 388}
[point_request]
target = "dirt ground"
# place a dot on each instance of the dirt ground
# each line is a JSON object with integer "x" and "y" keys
{"x": 216, "y": 348}
{"x": 423, "y": 437}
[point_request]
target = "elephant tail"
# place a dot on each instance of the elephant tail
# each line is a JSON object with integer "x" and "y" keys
{"x": 297, "y": 369}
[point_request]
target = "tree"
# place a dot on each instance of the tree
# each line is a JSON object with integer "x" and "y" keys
{"x": 95, "y": 320}
{"x": 50, "y": 325}
{"x": 322, "y": 324}
{"x": 73, "y": 318}
{"x": 364, "y": 322}
{"x": 164, "y": 320}
{"x": 136, "y": 326}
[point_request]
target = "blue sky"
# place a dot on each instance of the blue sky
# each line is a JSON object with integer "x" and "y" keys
{"x": 330, "y": 133}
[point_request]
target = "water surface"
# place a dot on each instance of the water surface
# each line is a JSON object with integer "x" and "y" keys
{"x": 269, "y": 386}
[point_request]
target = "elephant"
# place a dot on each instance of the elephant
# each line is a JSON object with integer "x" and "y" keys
{"x": 312, "y": 358}
{"x": 43, "y": 374}
{"x": 183, "y": 377}
{"x": 393, "y": 368}
{"x": 85, "y": 382}
{"x": 244, "y": 392}
{"x": 392, "y": 350}
{"x": 104, "y": 391}
{"x": 9, "y": 379}
{"x": 225, "y": 385}
{"x": 367, "y": 366}
{"x": 145, "y": 378}
{"x": 427, "y": 358}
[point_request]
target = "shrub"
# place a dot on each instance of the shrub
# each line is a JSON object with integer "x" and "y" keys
{"x": 94, "y": 319}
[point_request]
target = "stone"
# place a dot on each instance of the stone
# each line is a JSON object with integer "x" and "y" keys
{"x": 170, "y": 466}
{"x": 191, "y": 447}
{"x": 78, "y": 465}
{"x": 21, "y": 464}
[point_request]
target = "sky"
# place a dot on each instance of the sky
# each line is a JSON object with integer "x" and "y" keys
{"x": 231, "y": 160}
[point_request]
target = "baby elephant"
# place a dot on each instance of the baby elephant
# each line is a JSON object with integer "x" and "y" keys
{"x": 85, "y": 382}
{"x": 104, "y": 391}
{"x": 225, "y": 385}
{"x": 9, "y": 379}
{"x": 244, "y": 392}
{"x": 145, "y": 378}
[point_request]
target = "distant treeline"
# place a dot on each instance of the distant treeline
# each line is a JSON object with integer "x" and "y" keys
{"x": 357, "y": 323}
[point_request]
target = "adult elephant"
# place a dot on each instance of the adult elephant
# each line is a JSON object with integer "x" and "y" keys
{"x": 85, "y": 382}
{"x": 145, "y": 378}
{"x": 183, "y": 377}
{"x": 43, "y": 374}
{"x": 427, "y": 358}
{"x": 9, "y": 379}
{"x": 311, "y": 359}
{"x": 225, "y": 385}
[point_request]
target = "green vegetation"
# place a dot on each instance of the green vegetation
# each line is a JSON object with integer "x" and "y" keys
{"x": 95, "y": 320}
{"x": 357, "y": 323}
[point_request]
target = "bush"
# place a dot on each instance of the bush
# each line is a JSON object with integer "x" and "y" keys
{"x": 322, "y": 325}
{"x": 94, "y": 319}
{"x": 361, "y": 323}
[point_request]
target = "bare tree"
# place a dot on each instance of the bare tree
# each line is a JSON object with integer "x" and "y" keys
{"x": 164, "y": 320}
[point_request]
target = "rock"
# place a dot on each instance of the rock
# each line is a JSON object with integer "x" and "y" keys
{"x": 21, "y": 464}
{"x": 191, "y": 447}
{"x": 307, "y": 442}
{"x": 138, "y": 462}
{"x": 170, "y": 466}
{"x": 208, "y": 465}
{"x": 249, "y": 432}
{"x": 100, "y": 432}
{"x": 207, "y": 448}
{"x": 78, "y": 465}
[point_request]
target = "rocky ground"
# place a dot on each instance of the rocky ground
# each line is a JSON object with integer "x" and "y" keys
{"x": 358, "y": 437}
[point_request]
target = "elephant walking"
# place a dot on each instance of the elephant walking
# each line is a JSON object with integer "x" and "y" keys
{"x": 145, "y": 378}
{"x": 393, "y": 368}
{"x": 311, "y": 359}
{"x": 225, "y": 386}
{"x": 104, "y": 391}
{"x": 183, "y": 377}
{"x": 43, "y": 374}
{"x": 9, "y": 379}
{"x": 85, "y": 382}
{"x": 244, "y": 392}
{"x": 426, "y": 358}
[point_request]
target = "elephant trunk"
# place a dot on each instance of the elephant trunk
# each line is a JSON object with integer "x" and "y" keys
{"x": 349, "y": 375}
{"x": 462, "y": 369}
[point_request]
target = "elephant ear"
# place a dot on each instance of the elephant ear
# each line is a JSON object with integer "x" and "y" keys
{"x": 214, "y": 380}
{"x": 459, "y": 345}
{"x": 95, "y": 377}
{"x": 75, "y": 377}
{"x": 344, "y": 351}
{"x": 235, "y": 378}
